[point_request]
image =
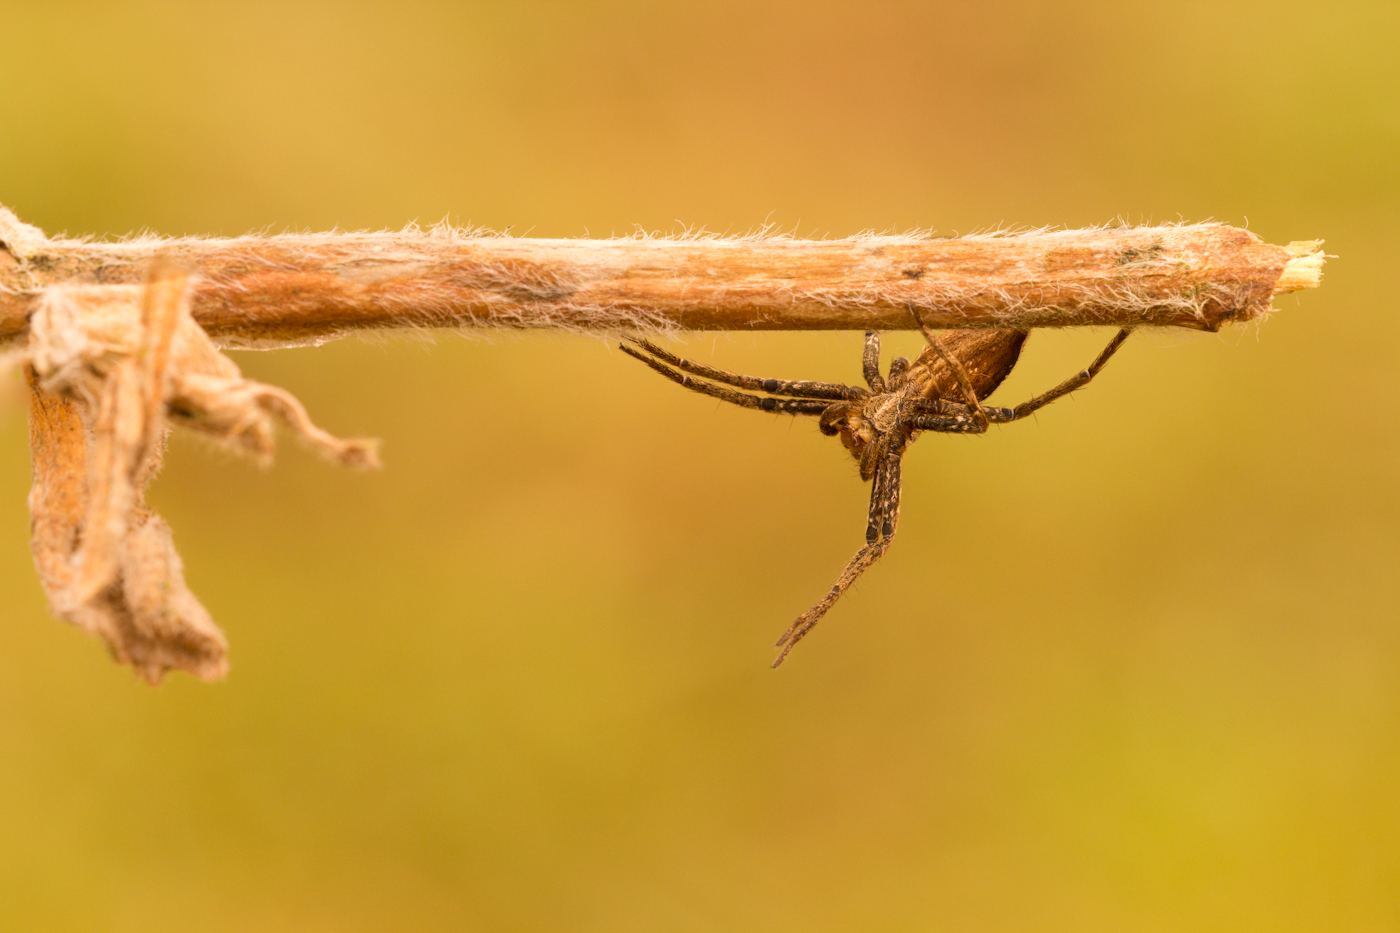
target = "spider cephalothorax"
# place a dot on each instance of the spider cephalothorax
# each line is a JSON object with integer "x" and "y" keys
{"x": 877, "y": 422}
{"x": 940, "y": 391}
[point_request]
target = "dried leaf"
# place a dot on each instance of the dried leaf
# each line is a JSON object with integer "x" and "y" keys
{"x": 108, "y": 367}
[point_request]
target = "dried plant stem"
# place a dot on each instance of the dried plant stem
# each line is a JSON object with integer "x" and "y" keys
{"x": 120, "y": 341}
{"x": 295, "y": 289}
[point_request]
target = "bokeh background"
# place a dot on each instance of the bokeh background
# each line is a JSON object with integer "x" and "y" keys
{"x": 1132, "y": 666}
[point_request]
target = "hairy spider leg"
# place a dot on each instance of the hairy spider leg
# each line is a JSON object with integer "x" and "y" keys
{"x": 945, "y": 424}
{"x": 959, "y": 370}
{"x": 884, "y": 509}
{"x": 870, "y": 362}
{"x": 787, "y": 406}
{"x": 879, "y": 533}
{"x": 1077, "y": 381}
{"x": 797, "y": 388}
{"x": 933, "y": 406}
{"x": 899, "y": 366}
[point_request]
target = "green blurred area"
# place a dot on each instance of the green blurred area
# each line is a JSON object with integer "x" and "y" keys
{"x": 1134, "y": 665}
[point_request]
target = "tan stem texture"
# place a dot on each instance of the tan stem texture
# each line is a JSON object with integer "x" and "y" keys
{"x": 295, "y": 289}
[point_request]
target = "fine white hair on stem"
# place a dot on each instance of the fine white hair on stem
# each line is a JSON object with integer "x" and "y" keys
{"x": 306, "y": 288}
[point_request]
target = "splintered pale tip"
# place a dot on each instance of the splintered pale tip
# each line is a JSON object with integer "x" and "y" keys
{"x": 1304, "y": 270}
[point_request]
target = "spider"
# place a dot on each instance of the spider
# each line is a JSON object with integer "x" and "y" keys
{"x": 940, "y": 391}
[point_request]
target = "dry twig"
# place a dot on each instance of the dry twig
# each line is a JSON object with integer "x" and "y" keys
{"x": 121, "y": 339}
{"x": 291, "y": 289}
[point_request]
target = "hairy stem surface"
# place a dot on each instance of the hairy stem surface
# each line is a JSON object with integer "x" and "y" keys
{"x": 295, "y": 289}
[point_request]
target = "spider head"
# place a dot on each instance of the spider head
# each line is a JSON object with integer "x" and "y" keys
{"x": 863, "y": 428}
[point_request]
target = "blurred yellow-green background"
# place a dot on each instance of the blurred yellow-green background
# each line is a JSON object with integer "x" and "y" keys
{"x": 1134, "y": 665}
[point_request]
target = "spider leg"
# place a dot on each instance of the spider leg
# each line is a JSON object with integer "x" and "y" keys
{"x": 879, "y": 533}
{"x": 942, "y": 406}
{"x": 934, "y": 406}
{"x": 799, "y": 389}
{"x": 946, "y": 424}
{"x": 1077, "y": 381}
{"x": 788, "y": 406}
{"x": 959, "y": 370}
{"x": 898, "y": 367}
{"x": 870, "y": 361}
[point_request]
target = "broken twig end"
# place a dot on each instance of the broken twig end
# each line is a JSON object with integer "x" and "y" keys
{"x": 1304, "y": 270}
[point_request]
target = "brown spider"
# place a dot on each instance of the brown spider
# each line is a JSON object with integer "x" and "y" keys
{"x": 877, "y": 424}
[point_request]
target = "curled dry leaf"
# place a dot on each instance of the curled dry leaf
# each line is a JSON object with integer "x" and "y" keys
{"x": 109, "y": 368}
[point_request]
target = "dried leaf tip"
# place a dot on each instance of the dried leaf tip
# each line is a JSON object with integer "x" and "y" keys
{"x": 1304, "y": 270}
{"x": 110, "y": 367}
